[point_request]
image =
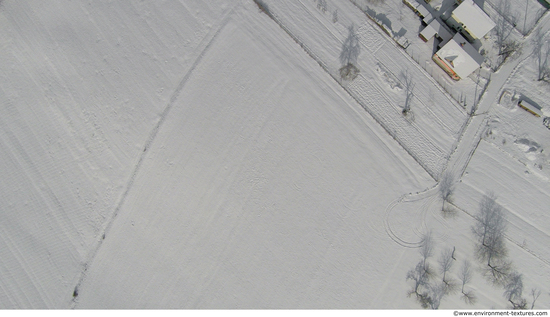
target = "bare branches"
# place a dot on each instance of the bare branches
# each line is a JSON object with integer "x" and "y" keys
{"x": 446, "y": 189}
{"x": 535, "y": 293}
{"x": 348, "y": 56}
{"x": 350, "y": 48}
{"x": 427, "y": 246}
{"x": 489, "y": 230}
{"x": 408, "y": 83}
{"x": 349, "y": 72}
{"x": 541, "y": 53}
{"x": 465, "y": 276}
{"x": 514, "y": 290}
{"x": 420, "y": 275}
{"x": 505, "y": 23}
{"x": 445, "y": 263}
{"x": 436, "y": 293}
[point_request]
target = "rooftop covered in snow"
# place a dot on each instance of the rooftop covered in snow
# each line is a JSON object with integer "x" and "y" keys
{"x": 459, "y": 57}
{"x": 473, "y": 19}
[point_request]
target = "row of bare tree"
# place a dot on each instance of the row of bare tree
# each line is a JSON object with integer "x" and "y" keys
{"x": 489, "y": 230}
{"x": 431, "y": 285}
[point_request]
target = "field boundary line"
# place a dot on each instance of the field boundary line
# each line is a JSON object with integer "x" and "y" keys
{"x": 203, "y": 48}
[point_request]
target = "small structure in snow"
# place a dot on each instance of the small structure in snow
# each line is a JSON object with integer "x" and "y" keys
{"x": 418, "y": 8}
{"x": 458, "y": 57}
{"x": 472, "y": 19}
{"x": 531, "y": 108}
{"x": 435, "y": 29}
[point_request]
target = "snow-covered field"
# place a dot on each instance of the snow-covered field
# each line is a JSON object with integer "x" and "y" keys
{"x": 261, "y": 183}
{"x": 205, "y": 154}
{"x": 83, "y": 86}
{"x": 379, "y": 88}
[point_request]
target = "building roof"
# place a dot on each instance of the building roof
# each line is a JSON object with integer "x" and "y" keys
{"x": 436, "y": 28}
{"x": 476, "y": 21}
{"x": 461, "y": 56}
{"x": 532, "y": 108}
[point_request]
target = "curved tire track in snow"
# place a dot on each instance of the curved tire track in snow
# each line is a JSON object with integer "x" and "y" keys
{"x": 429, "y": 195}
{"x": 203, "y": 48}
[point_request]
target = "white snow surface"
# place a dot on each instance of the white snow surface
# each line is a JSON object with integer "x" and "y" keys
{"x": 474, "y": 19}
{"x": 464, "y": 57}
{"x": 204, "y": 154}
{"x": 274, "y": 180}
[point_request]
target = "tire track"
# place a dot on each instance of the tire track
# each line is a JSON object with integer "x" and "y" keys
{"x": 428, "y": 193}
{"x": 203, "y": 48}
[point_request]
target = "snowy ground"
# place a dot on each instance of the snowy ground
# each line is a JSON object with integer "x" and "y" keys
{"x": 201, "y": 154}
{"x": 438, "y": 119}
{"x": 523, "y": 13}
{"x": 82, "y": 87}
{"x": 518, "y": 132}
{"x": 287, "y": 177}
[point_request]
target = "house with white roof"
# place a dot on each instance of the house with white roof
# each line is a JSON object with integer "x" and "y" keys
{"x": 458, "y": 57}
{"x": 472, "y": 19}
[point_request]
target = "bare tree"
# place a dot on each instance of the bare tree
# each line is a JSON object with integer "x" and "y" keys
{"x": 513, "y": 291}
{"x": 422, "y": 272}
{"x": 348, "y": 57}
{"x": 408, "y": 84}
{"x": 445, "y": 263}
{"x": 465, "y": 276}
{"x": 504, "y": 25}
{"x": 322, "y": 5}
{"x": 436, "y": 293}
{"x": 498, "y": 271}
{"x": 541, "y": 52}
{"x": 489, "y": 230}
{"x": 350, "y": 48}
{"x": 420, "y": 276}
{"x": 427, "y": 246}
{"x": 335, "y": 16}
{"x": 535, "y": 293}
{"x": 446, "y": 188}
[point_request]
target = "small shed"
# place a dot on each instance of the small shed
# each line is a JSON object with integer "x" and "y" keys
{"x": 531, "y": 108}
{"x": 418, "y": 8}
{"x": 435, "y": 29}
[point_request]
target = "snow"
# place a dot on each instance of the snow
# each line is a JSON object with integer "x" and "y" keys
{"x": 525, "y": 13}
{"x": 264, "y": 211}
{"x": 206, "y": 154}
{"x": 476, "y": 22}
{"x": 82, "y": 87}
{"x": 460, "y": 56}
